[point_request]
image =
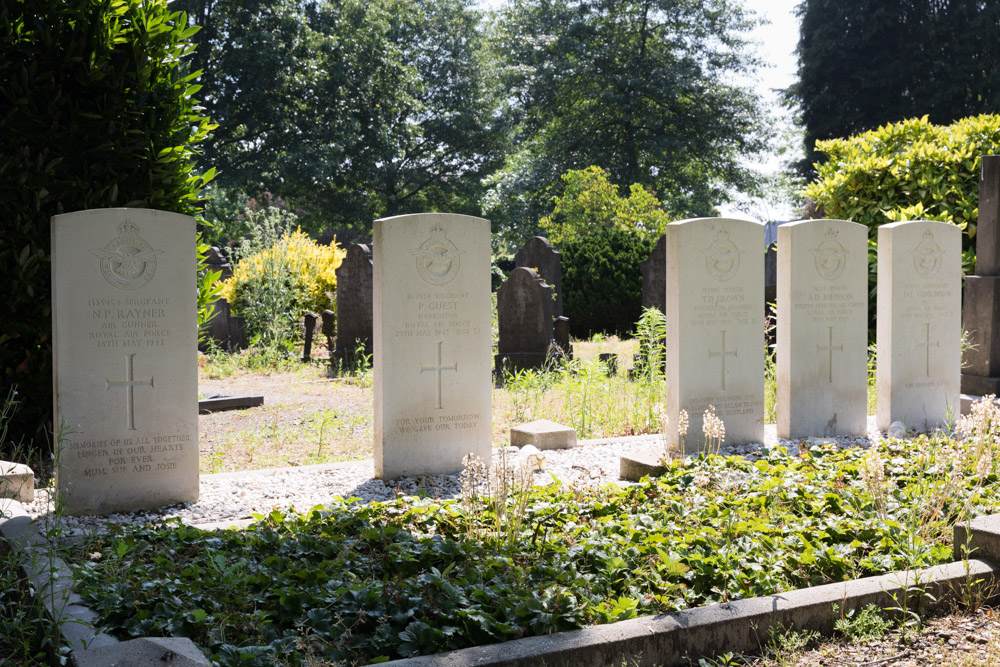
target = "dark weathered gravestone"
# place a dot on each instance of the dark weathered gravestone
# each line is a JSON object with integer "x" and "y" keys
{"x": 560, "y": 331}
{"x": 354, "y": 302}
{"x": 310, "y": 327}
{"x": 539, "y": 254}
{"x": 524, "y": 314}
{"x": 329, "y": 319}
{"x": 217, "y": 262}
{"x": 981, "y": 303}
{"x": 654, "y": 276}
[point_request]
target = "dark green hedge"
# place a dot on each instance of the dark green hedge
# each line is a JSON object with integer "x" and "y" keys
{"x": 602, "y": 281}
{"x": 95, "y": 111}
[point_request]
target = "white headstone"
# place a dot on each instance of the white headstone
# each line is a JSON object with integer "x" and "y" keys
{"x": 125, "y": 335}
{"x": 432, "y": 362}
{"x": 919, "y": 324}
{"x": 822, "y": 344}
{"x": 715, "y": 327}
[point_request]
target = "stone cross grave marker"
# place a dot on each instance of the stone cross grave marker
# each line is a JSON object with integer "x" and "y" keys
{"x": 524, "y": 316}
{"x": 354, "y": 302}
{"x": 539, "y": 254}
{"x": 433, "y": 388}
{"x": 919, "y": 324}
{"x": 822, "y": 353}
{"x": 124, "y": 322}
{"x": 715, "y": 339}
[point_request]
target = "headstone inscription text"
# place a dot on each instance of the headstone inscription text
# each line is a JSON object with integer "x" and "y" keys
{"x": 822, "y": 343}
{"x": 919, "y": 324}
{"x": 125, "y": 370}
{"x": 433, "y": 388}
{"x": 715, "y": 354}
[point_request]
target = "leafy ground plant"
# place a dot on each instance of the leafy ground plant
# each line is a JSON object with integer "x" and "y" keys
{"x": 356, "y": 583}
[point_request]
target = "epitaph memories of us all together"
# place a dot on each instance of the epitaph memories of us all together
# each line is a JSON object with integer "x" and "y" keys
{"x": 433, "y": 355}
{"x": 125, "y": 378}
{"x": 715, "y": 311}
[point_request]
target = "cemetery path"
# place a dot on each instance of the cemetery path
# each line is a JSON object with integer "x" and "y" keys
{"x": 305, "y": 419}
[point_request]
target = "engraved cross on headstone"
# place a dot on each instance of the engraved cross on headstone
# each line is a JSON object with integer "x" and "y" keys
{"x": 927, "y": 345}
{"x": 830, "y": 349}
{"x": 129, "y": 383}
{"x": 440, "y": 367}
{"x": 723, "y": 353}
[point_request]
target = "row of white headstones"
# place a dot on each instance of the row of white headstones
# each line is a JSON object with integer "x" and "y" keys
{"x": 124, "y": 338}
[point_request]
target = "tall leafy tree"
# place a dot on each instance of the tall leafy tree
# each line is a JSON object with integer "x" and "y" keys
{"x": 865, "y": 63}
{"x": 347, "y": 109}
{"x": 642, "y": 88}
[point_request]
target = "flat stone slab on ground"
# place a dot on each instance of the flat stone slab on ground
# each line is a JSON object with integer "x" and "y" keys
{"x": 543, "y": 434}
{"x": 220, "y": 403}
{"x": 17, "y": 481}
{"x": 636, "y": 465}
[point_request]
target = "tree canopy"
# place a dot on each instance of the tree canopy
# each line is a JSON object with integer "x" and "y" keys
{"x": 865, "y": 63}
{"x": 641, "y": 88}
{"x": 347, "y": 109}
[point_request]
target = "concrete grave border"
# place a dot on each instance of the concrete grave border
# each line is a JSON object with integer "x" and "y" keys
{"x": 666, "y": 639}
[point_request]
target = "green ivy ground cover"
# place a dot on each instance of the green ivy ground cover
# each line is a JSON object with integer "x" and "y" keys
{"x": 358, "y": 583}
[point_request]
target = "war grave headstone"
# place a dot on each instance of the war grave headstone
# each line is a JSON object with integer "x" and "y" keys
{"x": 919, "y": 324}
{"x": 822, "y": 351}
{"x": 354, "y": 302}
{"x": 981, "y": 310}
{"x": 715, "y": 352}
{"x": 654, "y": 276}
{"x": 433, "y": 388}
{"x": 539, "y": 254}
{"x": 524, "y": 318}
{"x": 124, "y": 322}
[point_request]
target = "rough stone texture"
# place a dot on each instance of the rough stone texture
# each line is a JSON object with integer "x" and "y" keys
{"x": 822, "y": 352}
{"x": 354, "y": 301}
{"x": 543, "y": 434}
{"x": 560, "y": 330}
{"x": 981, "y": 300}
{"x": 524, "y": 316}
{"x": 654, "y": 276}
{"x": 173, "y": 651}
{"x": 715, "y": 304}
{"x": 124, "y": 346}
{"x": 979, "y": 538}
{"x": 539, "y": 254}
{"x": 638, "y": 464}
{"x": 919, "y": 324}
{"x": 17, "y": 481}
{"x": 433, "y": 394}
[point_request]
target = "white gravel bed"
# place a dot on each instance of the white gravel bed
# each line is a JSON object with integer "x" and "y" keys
{"x": 232, "y": 498}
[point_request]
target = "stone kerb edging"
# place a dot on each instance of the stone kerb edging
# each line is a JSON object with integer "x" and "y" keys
{"x": 740, "y": 626}
{"x": 52, "y": 581}
{"x": 667, "y": 639}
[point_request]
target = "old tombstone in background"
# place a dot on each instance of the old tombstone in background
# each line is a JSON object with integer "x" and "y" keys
{"x": 539, "y": 254}
{"x": 217, "y": 262}
{"x": 354, "y": 304}
{"x": 524, "y": 317}
{"x": 329, "y": 320}
{"x": 919, "y": 324}
{"x": 715, "y": 351}
{"x": 309, "y": 327}
{"x": 654, "y": 276}
{"x": 124, "y": 322}
{"x": 560, "y": 332}
{"x": 981, "y": 371}
{"x": 822, "y": 353}
{"x": 433, "y": 389}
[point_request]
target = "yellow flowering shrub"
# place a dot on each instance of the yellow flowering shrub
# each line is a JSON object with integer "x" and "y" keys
{"x": 311, "y": 268}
